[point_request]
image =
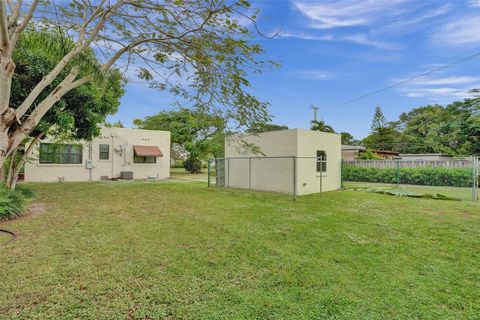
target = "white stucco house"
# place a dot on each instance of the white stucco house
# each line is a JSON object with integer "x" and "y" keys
{"x": 295, "y": 161}
{"x": 118, "y": 153}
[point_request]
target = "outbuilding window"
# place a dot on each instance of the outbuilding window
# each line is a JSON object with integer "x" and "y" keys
{"x": 61, "y": 153}
{"x": 321, "y": 161}
{"x": 104, "y": 152}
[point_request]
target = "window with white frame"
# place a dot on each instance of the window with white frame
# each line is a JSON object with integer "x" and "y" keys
{"x": 321, "y": 161}
{"x": 104, "y": 152}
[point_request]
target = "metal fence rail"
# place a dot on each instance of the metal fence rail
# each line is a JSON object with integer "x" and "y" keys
{"x": 454, "y": 178}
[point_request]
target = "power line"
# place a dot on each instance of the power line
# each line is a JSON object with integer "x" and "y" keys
{"x": 408, "y": 80}
{"x": 399, "y": 83}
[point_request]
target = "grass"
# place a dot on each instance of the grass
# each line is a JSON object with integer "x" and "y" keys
{"x": 177, "y": 250}
{"x": 455, "y": 192}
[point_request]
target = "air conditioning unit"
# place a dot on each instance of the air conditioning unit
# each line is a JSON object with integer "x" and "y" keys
{"x": 126, "y": 175}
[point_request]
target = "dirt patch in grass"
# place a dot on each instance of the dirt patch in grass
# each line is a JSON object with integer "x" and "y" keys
{"x": 36, "y": 209}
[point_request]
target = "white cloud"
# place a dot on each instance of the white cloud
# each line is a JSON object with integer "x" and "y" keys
{"x": 358, "y": 38}
{"x": 447, "y": 81}
{"x": 474, "y": 3}
{"x": 304, "y": 36}
{"x": 315, "y": 75}
{"x": 463, "y": 32}
{"x": 438, "y": 94}
{"x": 440, "y": 89}
{"x": 363, "y": 39}
{"x": 346, "y": 13}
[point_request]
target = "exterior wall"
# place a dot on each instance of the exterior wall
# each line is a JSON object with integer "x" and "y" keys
{"x": 118, "y": 160}
{"x": 277, "y": 174}
{"x": 266, "y": 174}
{"x": 308, "y": 179}
{"x": 349, "y": 155}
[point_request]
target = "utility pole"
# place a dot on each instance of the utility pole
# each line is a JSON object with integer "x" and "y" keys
{"x": 315, "y": 109}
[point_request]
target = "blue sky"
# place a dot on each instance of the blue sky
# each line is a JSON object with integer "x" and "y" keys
{"x": 331, "y": 51}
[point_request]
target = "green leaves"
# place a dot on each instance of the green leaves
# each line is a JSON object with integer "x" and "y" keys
{"x": 79, "y": 113}
{"x": 199, "y": 133}
{"x": 428, "y": 176}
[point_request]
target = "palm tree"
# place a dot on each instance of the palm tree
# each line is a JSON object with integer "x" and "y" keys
{"x": 320, "y": 125}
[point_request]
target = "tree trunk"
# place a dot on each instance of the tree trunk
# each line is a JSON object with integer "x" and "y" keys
{"x": 11, "y": 167}
{"x": 22, "y": 161}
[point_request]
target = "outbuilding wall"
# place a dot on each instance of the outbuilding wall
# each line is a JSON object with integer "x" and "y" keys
{"x": 308, "y": 179}
{"x": 267, "y": 174}
{"x": 283, "y": 155}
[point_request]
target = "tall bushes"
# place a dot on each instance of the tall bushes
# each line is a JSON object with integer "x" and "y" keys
{"x": 428, "y": 176}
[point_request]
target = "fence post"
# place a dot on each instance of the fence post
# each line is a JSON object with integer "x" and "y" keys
{"x": 321, "y": 174}
{"x": 249, "y": 173}
{"x": 294, "y": 178}
{"x": 398, "y": 174}
{"x": 341, "y": 173}
{"x": 208, "y": 173}
{"x": 474, "y": 178}
{"x": 228, "y": 174}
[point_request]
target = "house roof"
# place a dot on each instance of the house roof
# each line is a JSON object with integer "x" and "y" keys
{"x": 349, "y": 147}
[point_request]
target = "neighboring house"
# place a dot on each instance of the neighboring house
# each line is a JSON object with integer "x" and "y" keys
{"x": 116, "y": 153}
{"x": 350, "y": 153}
{"x": 425, "y": 156}
{"x": 309, "y": 161}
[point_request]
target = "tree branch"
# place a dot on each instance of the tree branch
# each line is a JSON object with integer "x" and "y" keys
{"x": 4, "y": 39}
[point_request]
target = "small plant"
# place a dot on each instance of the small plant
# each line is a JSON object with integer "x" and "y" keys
{"x": 369, "y": 155}
{"x": 13, "y": 202}
{"x": 193, "y": 165}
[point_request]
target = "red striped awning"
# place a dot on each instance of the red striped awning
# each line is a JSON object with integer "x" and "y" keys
{"x": 147, "y": 151}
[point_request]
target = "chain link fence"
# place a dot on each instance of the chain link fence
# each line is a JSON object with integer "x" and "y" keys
{"x": 284, "y": 174}
{"x": 456, "y": 178}
{"x": 274, "y": 174}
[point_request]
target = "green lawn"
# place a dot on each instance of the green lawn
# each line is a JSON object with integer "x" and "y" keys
{"x": 177, "y": 250}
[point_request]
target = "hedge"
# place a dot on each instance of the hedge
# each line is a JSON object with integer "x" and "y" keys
{"x": 429, "y": 176}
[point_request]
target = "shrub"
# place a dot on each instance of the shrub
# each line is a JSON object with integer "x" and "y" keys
{"x": 13, "y": 202}
{"x": 428, "y": 176}
{"x": 193, "y": 165}
{"x": 177, "y": 164}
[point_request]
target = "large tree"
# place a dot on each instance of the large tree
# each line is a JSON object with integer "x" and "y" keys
{"x": 265, "y": 127}
{"x": 197, "y": 49}
{"x": 347, "y": 138}
{"x": 383, "y": 135}
{"x": 66, "y": 120}
{"x": 198, "y": 133}
{"x": 454, "y": 129}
